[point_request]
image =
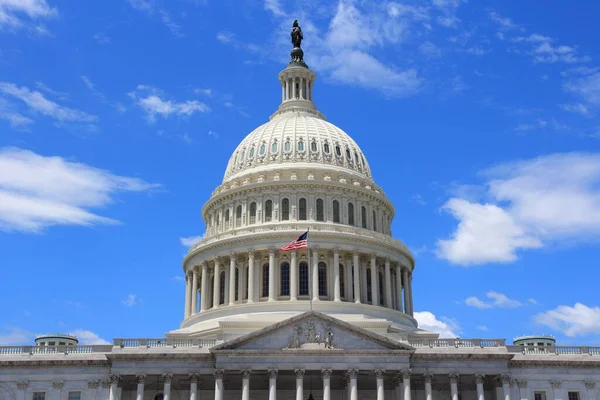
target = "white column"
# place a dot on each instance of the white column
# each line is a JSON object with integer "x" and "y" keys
{"x": 315, "y": 274}
{"x": 406, "y": 292}
{"x": 283, "y": 92}
{"x": 242, "y": 282}
{"x": 294, "y": 276}
{"x": 398, "y": 388}
{"x": 293, "y": 82}
{"x": 380, "y": 389}
{"x": 271, "y": 274}
{"x": 590, "y": 387}
{"x": 388, "y": 284}
{"x": 188, "y": 296}
{"x": 287, "y": 89}
{"x": 141, "y": 379}
{"x": 250, "y": 276}
{"x": 167, "y": 388}
{"x": 363, "y": 282}
{"x": 406, "y": 383}
{"x": 219, "y": 375}
{"x": 114, "y": 381}
{"x": 453, "y": 386}
{"x": 479, "y": 378}
{"x": 353, "y": 375}
{"x": 301, "y": 88}
{"x": 374, "y": 285}
{"x": 410, "y": 296}
{"x": 356, "y": 277}
{"x": 506, "y": 386}
{"x": 326, "y": 384}
{"x": 428, "y": 393}
{"x": 272, "y": 384}
{"x": 22, "y": 388}
{"x": 217, "y": 284}
{"x": 194, "y": 291}
{"x": 246, "y": 384}
{"x": 204, "y": 287}
{"x": 194, "y": 386}
{"x": 336, "y": 275}
{"x": 299, "y": 384}
{"x": 232, "y": 279}
{"x": 348, "y": 286}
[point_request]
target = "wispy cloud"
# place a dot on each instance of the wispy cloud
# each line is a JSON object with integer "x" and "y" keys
{"x": 530, "y": 204}
{"x": 154, "y": 9}
{"x": 92, "y": 87}
{"x": 101, "y": 38}
{"x": 13, "y": 336}
{"x": 154, "y": 103}
{"x": 577, "y": 320}
{"x": 225, "y": 37}
{"x": 37, "y": 191}
{"x": 17, "y": 14}
{"x": 131, "y": 300}
{"x": 88, "y": 337}
{"x": 496, "y": 300}
{"x": 190, "y": 240}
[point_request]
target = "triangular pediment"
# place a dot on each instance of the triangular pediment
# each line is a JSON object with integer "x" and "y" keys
{"x": 312, "y": 331}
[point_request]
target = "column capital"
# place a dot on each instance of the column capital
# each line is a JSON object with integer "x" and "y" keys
{"x": 555, "y": 384}
{"x": 479, "y": 378}
{"x": 589, "y": 384}
{"x": 355, "y": 252}
{"x": 299, "y": 373}
{"x": 141, "y": 378}
{"x": 113, "y": 378}
{"x": 219, "y": 373}
{"x": 216, "y": 261}
{"x": 336, "y": 250}
{"x": 379, "y": 373}
{"x": 22, "y": 385}
{"x": 505, "y": 379}
{"x": 272, "y": 251}
{"x": 373, "y": 256}
{"x": 353, "y": 373}
{"x": 251, "y": 252}
{"x": 194, "y": 378}
{"x": 92, "y": 384}
{"x": 405, "y": 373}
{"x": 246, "y": 373}
{"x": 427, "y": 377}
{"x": 232, "y": 256}
{"x": 58, "y": 384}
{"x": 453, "y": 377}
{"x": 204, "y": 264}
{"x": 326, "y": 373}
{"x": 167, "y": 378}
{"x": 272, "y": 373}
{"x": 105, "y": 384}
{"x": 522, "y": 383}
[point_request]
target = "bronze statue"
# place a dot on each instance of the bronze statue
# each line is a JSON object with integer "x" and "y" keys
{"x": 296, "y": 34}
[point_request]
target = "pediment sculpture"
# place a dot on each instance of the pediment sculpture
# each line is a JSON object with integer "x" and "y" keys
{"x": 308, "y": 336}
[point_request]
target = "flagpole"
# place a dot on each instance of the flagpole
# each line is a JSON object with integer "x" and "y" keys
{"x": 309, "y": 270}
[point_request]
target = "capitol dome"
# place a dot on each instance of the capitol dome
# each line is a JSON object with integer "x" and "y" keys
{"x": 297, "y": 173}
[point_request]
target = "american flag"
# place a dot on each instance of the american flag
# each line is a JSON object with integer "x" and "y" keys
{"x": 300, "y": 243}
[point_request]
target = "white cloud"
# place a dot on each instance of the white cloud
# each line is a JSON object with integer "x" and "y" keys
{"x": 38, "y": 191}
{"x": 475, "y": 302}
{"x": 152, "y": 8}
{"x": 586, "y": 86}
{"x": 88, "y": 337}
{"x": 530, "y": 204}
{"x": 9, "y": 113}
{"x": 532, "y": 301}
{"x": 447, "y": 328}
{"x": 12, "y": 12}
{"x": 274, "y": 7}
{"x": 578, "y": 108}
{"x": 498, "y": 300}
{"x": 482, "y": 328}
{"x": 578, "y": 320}
{"x": 543, "y": 50}
{"x": 151, "y": 101}
{"x": 12, "y": 336}
{"x": 504, "y": 22}
{"x": 191, "y": 240}
{"x": 101, "y": 38}
{"x": 214, "y": 134}
{"x": 430, "y": 50}
{"x": 225, "y": 37}
{"x": 37, "y": 103}
{"x": 449, "y": 21}
{"x": 131, "y": 300}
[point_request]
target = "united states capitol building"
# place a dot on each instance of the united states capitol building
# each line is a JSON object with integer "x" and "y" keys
{"x": 332, "y": 322}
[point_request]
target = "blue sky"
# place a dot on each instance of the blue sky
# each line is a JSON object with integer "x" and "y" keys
{"x": 480, "y": 120}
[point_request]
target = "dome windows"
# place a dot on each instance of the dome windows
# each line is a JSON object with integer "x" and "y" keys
{"x": 263, "y": 149}
{"x": 348, "y": 156}
{"x": 313, "y": 146}
{"x": 274, "y": 147}
{"x": 301, "y": 145}
{"x": 338, "y": 150}
{"x": 251, "y": 153}
{"x": 326, "y": 148}
{"x": 285, "y": 209}
{"x": 302, "y": 209}
{"x": 320, "y": 210}
{"x": 287, "y": 146}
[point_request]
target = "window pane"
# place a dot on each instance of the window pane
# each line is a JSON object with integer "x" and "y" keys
{"x": 265, "y": 290}
{"x": 222, "y": 289}
{"x": 262, "y": 149}
{"x": 342, "y": 282}
{"x": 322, "y": 279}
{"x": 326, "y": 148}
{"x": 274, "y": 148}
{"x": 363, "y": 216}
{"x": 302, "y": 210}
{"x": 285, "y": 210}
{"x": 350, "y": 214}
{"x": 303, "y": 279}
{"x": 39, "y": 395}
{"x": 287, "y": 147}
{"x": 369, "y": 286}
{"x": 75, "y": 395}
{"x": 320, "y": 211}
{"x": 374, "y": 220}
{"x": 300, "y": 146}
{"x": 573, "y": 395}
{"x": 336, "y": 211}
{"x": 338, "y": 151}
{"x": 285, "y": 279}
{"x": 268, "y": 210}
{"x": 313, "y": 146}
{"x": 252, "y": 213}
{"x": 237, "y": 282}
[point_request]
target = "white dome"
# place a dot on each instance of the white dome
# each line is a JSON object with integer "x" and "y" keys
{"x": 293, "y": 139}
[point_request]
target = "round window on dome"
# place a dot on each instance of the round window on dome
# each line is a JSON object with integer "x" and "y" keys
{"x": 263, "y": 148}
{"x": 313, "y": 146}
{"x": 301, "y": 145}
{"x": 326, "y": 148}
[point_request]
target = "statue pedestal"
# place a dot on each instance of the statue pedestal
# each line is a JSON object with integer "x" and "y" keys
{"x": 313, "y": 346}
{"x": 297, "y": 56}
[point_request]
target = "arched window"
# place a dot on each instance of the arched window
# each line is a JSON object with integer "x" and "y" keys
{"x": 363, "y": 217}
{"x": 326, "y": 148}
{"x": 303, "y": 279}
{"x": 158, "y": 396}
{"x": 268, "y": 210}
{"x": 285, "y": 209}
{"x": 265, "y": 286}
{"x": 300, "y": 145}
{"x": 287, "y": 146}
{"x": 302, "y": 209}
{"x": 222, "y": 288}
{"x": 320, "y": 210}
{"x": 350, "y": 214}
{"x": 336, "y": 211}
{"x": 238, "y": 216}
{"x": 322, "y": 279}
{"x": 348, "y": 156}
{"x": 380, "y": 289}
{"x": 369, "y": 288}
{"x": 252, "y": 213}
{"x": 338, "y": 150}
{"x": 227, "y": 217}
{"x": 237, "y": 283}
{"x": 356, "y": 158}
{"x": 313, "y": 146}
{"x": 374, "y": 220}
{"x": 263, "y": 149}
{"x": 285, "y": 279}
{"x": 342, "y": 282}
{"x": 251, "y": 153}
{"x": 274, "y": 147}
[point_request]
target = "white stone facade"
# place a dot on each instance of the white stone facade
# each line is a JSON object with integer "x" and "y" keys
{"x": 334, "y": 321}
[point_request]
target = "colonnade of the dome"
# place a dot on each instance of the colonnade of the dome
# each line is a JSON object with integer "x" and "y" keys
{"x": 269, "y": 275}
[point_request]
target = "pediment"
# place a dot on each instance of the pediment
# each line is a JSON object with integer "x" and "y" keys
{"x": 312, "y": 331}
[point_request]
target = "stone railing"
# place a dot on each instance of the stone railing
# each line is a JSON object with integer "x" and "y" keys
{"x": 301, "y": 226}
{"x": 162, "y": 342}
{"x": 555, "y": 350}
{"x": 458, "y": 343}
{"x": 34, "y": 350}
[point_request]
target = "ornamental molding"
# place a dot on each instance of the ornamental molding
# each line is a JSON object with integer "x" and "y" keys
{"x": 427, "y": 377}
{"x": 590, "y": 385}
{"x": 105, "y": 384}
{"x": 40, "y": 363}
{"x": 141, "y": 378}
{"x": 553, "y": 363}
{"x": 219, "y": 374}
{"x": 506, "y": 380}
{"x": 167, "y": 378}
{"x": 405, "y": 373}
{"x": 521, "y": 383}
{"x": 555, "y": 384}
{"x": 246, "y": 373}
{"x": 479, "y": 378}
{"x": 22, "y": 385}
{"x": 379, "y": 373}
{"x": 353, "y": 373}
{"x": 58, "y": 384}
{"x": 272, "y": 373}
{"x": 299, "y": 373}
{"x": 453, "y": 378}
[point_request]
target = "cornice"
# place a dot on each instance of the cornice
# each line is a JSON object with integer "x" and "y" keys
{"x": 460, "y": 356}
{"x": 151, "y": 356}
{"x": 554, "y": 363}
{"x": 300, "y": 352}
{"x": 41, "y": 363}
